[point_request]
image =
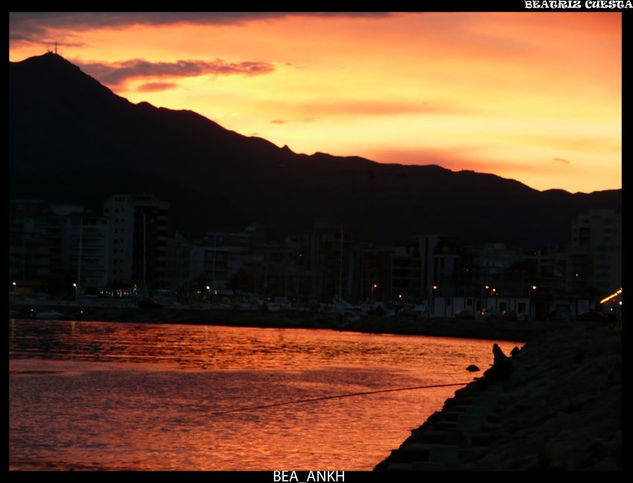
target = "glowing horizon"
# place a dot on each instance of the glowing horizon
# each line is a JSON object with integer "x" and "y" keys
{"x": 534, "y": 97}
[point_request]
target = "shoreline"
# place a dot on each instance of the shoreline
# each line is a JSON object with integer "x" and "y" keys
{"x": 506, "y": 330}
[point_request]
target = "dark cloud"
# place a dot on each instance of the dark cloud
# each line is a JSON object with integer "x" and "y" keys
{"x": 561, "y": 160}
{"x": 34, "y": 26}
{"x": 277, "y": 121}
{"x": 115, "y": 73}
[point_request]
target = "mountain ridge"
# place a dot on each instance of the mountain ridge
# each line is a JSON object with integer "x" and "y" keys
{"x": 73, "y": 139}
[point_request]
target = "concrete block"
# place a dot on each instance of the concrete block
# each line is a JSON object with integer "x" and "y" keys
{"x": 413, "y": 451}
{"x": 426, "y": 466}
{"x": 445, "y": 425}
{"x": 457, "y": 437}
{"x": 481, "y": 439}
{"x": 433, "y": 437}
{"x": 493, "y": 418}
{"x": 452, "y": 415}
{"x": 486, "y": 399}
{"x": 443, "y": 453}
{"x": 490, "y": 427}
{"x": 473, "y": 416}
{"x": 481, "y": 407}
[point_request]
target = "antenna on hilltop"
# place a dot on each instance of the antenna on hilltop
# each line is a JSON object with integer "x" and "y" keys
{"x": 51, "y": 51}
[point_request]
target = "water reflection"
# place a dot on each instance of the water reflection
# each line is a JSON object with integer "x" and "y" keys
{"x": 92, "y": 395}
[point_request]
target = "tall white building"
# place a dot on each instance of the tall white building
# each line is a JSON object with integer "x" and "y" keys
{"x": 138, "y": 234}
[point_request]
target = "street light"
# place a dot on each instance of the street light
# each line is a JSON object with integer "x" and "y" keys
{"x": 530, "y": 290}
{"x": 75, "y": 287}
{"x": 481, "y": 298}
{"x": 485, "y": 293}
{"x": 208, "y": 287}
{"x": 434, "y": 289}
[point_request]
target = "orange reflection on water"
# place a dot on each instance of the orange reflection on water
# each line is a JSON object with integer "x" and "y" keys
{"x": 155, "y": 397}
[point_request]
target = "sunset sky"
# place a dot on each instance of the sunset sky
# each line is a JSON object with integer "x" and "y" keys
{"x": 534, "y": 96}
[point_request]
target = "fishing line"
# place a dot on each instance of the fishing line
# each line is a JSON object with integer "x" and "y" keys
{"x": 338, "y": 396}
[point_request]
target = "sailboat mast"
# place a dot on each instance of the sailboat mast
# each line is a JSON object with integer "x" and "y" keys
{"x": 144, "y": 255}
{"x": 340, "y": 269}
{"x": 80, "y": 250}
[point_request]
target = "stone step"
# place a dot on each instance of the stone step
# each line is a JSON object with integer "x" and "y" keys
{"x": 426, "y": 466}
{"x": 408, "y": 452}
{"x": 457, "y": 437}
{"x": 433, "y": 437}
{"x": 451, "y": 416}
{"x": 438, "y": 453}
{"x": 466, "y": 391}
{"x": 445, "y": 454}
{"x": 468, "y": 420}
{"x": 486, "y": 399}
{"x": 400, "y": 467}
{"x": 481, "y": 439}
{"x": 493, "y": 418}
{"x": 481, "y": 407}
{"x": 445, "y": 425}
{"x": 490, "y": 427}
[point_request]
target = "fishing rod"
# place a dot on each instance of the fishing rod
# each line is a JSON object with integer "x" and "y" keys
{"x": 338, "y": 396}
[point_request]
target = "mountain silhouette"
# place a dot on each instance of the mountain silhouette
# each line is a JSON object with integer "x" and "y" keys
{"x": 73, "y": 140}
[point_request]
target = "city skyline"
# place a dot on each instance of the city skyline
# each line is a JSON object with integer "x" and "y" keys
{"x": 390, "y": 87}
{"x": 129, "y": 246}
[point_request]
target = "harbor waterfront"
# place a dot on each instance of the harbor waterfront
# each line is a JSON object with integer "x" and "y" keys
{"x": 87, "y": 395}
{"x": 205, "y": 314}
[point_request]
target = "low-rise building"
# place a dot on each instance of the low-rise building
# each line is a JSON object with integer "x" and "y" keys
{"x": 84, "y": 248}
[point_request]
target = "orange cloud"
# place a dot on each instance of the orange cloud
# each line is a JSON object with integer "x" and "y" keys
{"x": 346, "y": 107}
{"x": 519, "y": 94}
{"x": 156, "y": 86}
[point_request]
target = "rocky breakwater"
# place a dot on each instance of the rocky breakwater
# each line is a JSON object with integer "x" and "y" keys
{"x": 556, "y": 404}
